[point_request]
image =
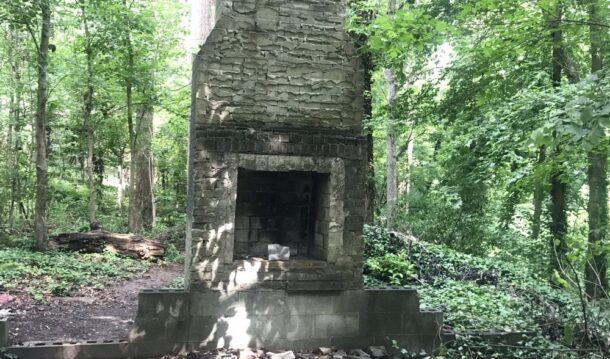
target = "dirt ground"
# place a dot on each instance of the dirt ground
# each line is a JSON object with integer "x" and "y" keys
{"x": 89, "y": 313}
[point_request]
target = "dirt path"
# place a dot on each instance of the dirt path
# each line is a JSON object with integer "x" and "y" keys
{"x": 89, "y": 314}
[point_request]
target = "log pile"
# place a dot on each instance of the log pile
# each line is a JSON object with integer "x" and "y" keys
{"x": 98, "y": 241}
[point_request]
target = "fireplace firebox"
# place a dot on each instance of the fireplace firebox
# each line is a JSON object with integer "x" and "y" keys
{"x": 286, "y": 208}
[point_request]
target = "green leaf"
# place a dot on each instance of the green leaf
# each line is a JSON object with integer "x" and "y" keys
{"x": 586, "y": 115}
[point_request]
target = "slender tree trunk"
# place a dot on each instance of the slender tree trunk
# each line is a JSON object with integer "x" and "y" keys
{"x": 11, "y": 160}
{"x": 559, "y": 221}
{"x": 597, "y": 265}
{"x": 511, "y": 200}
{"x": 539, "y": 195}
{"x": 14, "y": 134}
{"x": 391, "y": 178}
{"x": 87, "y": 124}
{"x": 40, "y": 221}
{"x": 142, "y": 212}
{"x": 391, "y": 143}
{"x": 121, "y": 189}
{"x": 367, "y": 60}
{"x": 409, "y": 157}
{"x": 135, "y": 224}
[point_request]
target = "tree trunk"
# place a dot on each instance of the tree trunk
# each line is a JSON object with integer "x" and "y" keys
{"x": 141, "y": 200}
{"x": 391, "y": 180}
{"x": 511, "y": 200}
{"x": 10, "y": 155}
{"x": 134, "y": 215}
{"x": 539, "y": 194}
{"x": 40, "y": 222}
{"x": 559, "y": 221}
{"x": 409, "y": 157}
{"x": 121, "y": 189}
{"x": 597, "y": 265}
{"x": 367, "y": 60}
{"x": 87, "y": 124}
{"x": 15, "y": 124}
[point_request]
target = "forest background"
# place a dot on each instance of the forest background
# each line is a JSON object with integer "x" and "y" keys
{"x": 488, "y": 121}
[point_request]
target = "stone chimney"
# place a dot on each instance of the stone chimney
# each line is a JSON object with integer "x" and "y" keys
{"x": 276, "y": 157}
{"x": 276, "y": 151}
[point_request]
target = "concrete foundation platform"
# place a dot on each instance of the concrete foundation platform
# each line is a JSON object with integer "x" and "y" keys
{"x": 4, "y": 330}
{"x": 107, "y": 349}
{"x": 278, "y": 320}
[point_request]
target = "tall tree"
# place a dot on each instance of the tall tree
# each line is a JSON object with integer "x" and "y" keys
{"x": 141, "y": 200}
{"x": 135, "y": 226}
{"x": 141, "y": 211}
{"x": 15, "y": 120}
{"x": 40, "y": 220}
{"x": 391, "y": 140}
{"x": 87, "y": 111}
{"x": 559, "y": 220}
{"x": 597, "y": 159}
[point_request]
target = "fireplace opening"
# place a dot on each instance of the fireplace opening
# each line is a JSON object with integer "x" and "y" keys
{"x": 287, "y": 208}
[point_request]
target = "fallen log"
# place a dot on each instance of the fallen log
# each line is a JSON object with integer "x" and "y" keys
{"x": 98, "y": 241}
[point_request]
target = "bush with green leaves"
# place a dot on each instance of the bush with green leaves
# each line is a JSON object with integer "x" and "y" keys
{"x": 393, "y": 268}
{"x": 173, "y": 255}
{"x": 485, "y": 293}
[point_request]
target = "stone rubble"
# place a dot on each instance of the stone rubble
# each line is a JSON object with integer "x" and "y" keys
{"x": 377, "y": 352}
{"x": 372, "y": 352}
{"x": 284, "y": 355}
{"x": 323, "y": 351}
{"x": 319, "y": 353}
{"x": 277, "y": 252}
{"x": 359, "y": 353}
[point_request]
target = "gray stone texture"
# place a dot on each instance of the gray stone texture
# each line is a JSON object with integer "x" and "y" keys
{"x": 277, "y": 63}
{"x": 230, "y": 218}
{"x": 277, "y": 87}
{"x": 280, "y": 320}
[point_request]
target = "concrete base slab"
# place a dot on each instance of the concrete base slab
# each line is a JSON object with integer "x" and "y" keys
{"x": 111, "y": 349}
{"x": 104, "y": 349}
{"x": 279, "y": 320}
{"x": 4, "y": 330}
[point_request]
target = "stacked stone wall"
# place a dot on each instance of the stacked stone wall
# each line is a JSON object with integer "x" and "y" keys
{"x": 278, "y": 63}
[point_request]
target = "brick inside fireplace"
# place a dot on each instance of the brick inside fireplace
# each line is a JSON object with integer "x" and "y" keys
{"x": 289, "y": 208}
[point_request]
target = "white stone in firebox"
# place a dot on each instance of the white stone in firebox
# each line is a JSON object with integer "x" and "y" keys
{"x": 278, "y": 252}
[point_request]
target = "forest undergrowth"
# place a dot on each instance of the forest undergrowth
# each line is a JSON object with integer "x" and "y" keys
{"x": 486, "y": 294}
